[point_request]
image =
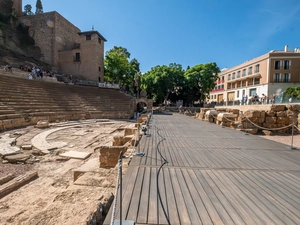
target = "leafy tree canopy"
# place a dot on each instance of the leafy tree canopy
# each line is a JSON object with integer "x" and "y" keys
{"x": 160, "y": 81}
{"x": 27, "y": 9}
{"x": 39, "y": 7}
{"x": 202, "y": 78}
{"x": 293, "y": 91}
{"x": 119, "y": 69}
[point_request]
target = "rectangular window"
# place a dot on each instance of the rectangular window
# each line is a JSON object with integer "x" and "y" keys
{"x": 238, "y": 74}
{"x": 99, "y": 68}
{"x": 238, "y": 94}
{"x": 257, "y": 68}
{"x": 229, "y": 77}
{"x": 287, "y": 64}
{"x": 243, "y": 92}
{"x": 250, "y": 70}
{"x": 244, "y": 72}
{"x": 99, "y": 40}
{"x": 233, "y": 76}
{"x": 77, "y": 56}
{"x": 286, "y": 78}
{"x": 277, "y": 65}
{"x": 88, "y": 37}
{"x": 215, "y": 97}
{"x": 252, "y": 92}
{"x": 276, "y": 78}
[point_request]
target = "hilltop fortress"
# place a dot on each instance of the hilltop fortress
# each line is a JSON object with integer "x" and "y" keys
{"x": 64, "y": 46}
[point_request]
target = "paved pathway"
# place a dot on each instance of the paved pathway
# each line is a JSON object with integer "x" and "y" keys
{"x": 214, "y": 175}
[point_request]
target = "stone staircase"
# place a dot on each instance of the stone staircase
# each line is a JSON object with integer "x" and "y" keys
{"x": 25, "y": 102}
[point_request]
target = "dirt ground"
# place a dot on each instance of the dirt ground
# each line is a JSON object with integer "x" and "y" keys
{"x": 53, "y": 198}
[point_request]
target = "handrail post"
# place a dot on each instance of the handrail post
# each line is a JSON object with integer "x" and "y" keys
{"x": 291, "y": 147}
{"x": 120, "y": 180}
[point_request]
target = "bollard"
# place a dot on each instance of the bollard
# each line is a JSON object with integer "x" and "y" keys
{"x": 246, "y": 127}
{"x": 291, "y": 147}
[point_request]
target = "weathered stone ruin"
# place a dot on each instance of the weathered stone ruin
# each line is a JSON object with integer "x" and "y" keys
{"x": 278, "y": 118}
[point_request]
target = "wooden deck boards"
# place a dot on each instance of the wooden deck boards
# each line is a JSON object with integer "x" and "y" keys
{"x": 214, "y": 175}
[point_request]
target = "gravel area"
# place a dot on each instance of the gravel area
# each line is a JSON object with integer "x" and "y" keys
{"x": 284, "y": 139}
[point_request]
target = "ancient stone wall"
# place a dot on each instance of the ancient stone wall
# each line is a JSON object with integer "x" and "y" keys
{"x": 277, "y": 118}
{"x": 109, "y": 155}
{"x": 6, "y": 7}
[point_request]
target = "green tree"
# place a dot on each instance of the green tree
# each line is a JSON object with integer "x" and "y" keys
{"x": 119, "y": 69}
{"x": 39, "y": 7}
{"x": 293, "y": 91}
{"x": 201, "y": 78}
{"x": 163, "y": 80}
{"x": 27, "y": 9}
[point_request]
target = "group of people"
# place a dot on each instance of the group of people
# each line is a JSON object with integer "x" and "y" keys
{"x": 255, "y": 99}
{"x": 8, "y": 68}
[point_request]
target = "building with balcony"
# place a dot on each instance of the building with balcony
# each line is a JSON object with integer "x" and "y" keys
{"x": 269, "y": 74}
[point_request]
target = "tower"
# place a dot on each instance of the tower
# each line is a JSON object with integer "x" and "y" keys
{"x": 17, "y": 7}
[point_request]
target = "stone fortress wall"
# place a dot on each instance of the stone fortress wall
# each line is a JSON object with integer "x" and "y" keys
{"x": 51, "y": 33}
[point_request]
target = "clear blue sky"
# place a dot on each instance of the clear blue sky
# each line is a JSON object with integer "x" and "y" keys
{"x": 188, "y": 32}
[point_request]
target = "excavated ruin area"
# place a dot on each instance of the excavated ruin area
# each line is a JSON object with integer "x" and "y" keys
{"x": 54, "y": 197}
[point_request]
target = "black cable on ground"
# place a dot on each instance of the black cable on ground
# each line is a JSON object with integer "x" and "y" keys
{"x": 157, "y": 176}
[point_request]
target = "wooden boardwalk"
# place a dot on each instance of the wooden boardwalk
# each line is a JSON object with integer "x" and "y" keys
{"x": 214, "y": 175}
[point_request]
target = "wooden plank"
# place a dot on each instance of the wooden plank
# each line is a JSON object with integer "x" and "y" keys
{"x": 179, "y": 198}
{"x": 288, "y": 179}
{"x": 134, "y": 205}
{"x": 163, "y": 203}
{"x": 153, "y": 210}
{"x": 196, "y": 194}
{"x": 144, "y": 198}
{"x": 214, "y": 199}
{"x": 189, "y": 201}
{"x": 171, "y": 202}
{"x": 236, "y": 198}
{"x": 285, "y": 204}
{"x": 230, "y": 210}
{"x": 255, "y": 194}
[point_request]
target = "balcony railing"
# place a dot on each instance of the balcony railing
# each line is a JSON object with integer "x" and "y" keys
{"x": 217, "y": 90}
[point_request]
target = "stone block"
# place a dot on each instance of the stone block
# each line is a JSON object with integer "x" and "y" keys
{"x": 109, "y": 155}
{"x": 42, "y": 124}
{"x": 211, "y": 113}
{"x": 270, "y": 113}
{"x": 267, "y": 132}
{"x": 277, "y": 108}
{"x": 26, "y": 147}
{"x": 16, "y": 158}
{"x": 252, "y": 113}
{"x": 292, "y": 113}
{"x": 234, "y": 111}
{"x": 129, "y": 131}
{"x": 282, "y": 120}
{"x": 250, "y": 131}
{"x": 227, "y": 117}
{"x": 270, "y": 119}
{"x": 281, "y": 114}
{"x": 293, "y": 107}
{"x": 120, "y": 140}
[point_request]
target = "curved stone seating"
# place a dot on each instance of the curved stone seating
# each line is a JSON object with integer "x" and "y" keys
{"x": 25, "y": 102}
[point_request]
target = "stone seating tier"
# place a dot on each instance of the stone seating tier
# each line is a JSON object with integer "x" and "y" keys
{"x": 25, "y": 102}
